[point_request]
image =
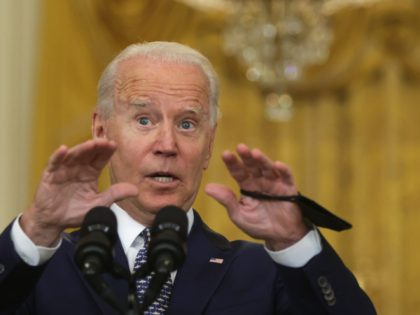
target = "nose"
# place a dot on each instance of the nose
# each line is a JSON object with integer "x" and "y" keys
{"x": 166, "y": 142}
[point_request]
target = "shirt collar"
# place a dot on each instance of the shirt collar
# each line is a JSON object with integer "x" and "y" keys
{"x": 128, "y": 228}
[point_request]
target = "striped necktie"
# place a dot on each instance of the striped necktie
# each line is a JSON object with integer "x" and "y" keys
{"x": 161, "y": 304}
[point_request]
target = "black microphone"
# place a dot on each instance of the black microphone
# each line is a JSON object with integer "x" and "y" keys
{"x": 166, "y": 250}
{"x": 93, "y": 253}
{"x": 167, "y": 246}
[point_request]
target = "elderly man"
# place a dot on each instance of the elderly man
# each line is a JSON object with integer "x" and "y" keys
{"x": 155, "y": 124}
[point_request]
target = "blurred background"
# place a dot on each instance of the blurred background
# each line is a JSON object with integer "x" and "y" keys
{"x": 330, "y": 87}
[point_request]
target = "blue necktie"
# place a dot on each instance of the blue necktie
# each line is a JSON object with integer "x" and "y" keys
{"x": 161, "y": 304}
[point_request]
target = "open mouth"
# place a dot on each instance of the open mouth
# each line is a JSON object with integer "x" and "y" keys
{"x": 163, "y": 177}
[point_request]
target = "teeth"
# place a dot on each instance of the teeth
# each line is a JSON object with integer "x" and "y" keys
{"x": 163, "y": 179}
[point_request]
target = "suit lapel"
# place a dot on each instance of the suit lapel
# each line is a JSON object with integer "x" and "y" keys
{"x": 118, "y": 286}
{"x": 208, "y": 259}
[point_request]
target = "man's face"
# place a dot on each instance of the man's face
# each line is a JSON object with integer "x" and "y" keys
{"x": 161, "y": 124}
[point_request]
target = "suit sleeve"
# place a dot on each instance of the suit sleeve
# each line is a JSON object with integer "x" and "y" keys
{"x": 17, "y": 279}
{"x": 324, "y": 286}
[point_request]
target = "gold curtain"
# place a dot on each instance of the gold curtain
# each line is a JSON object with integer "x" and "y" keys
{"x": 353, "y": 142}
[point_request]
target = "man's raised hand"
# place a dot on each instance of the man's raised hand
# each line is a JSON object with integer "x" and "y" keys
{"x": 279, "y": 223}
{"x": 69, "y": 189}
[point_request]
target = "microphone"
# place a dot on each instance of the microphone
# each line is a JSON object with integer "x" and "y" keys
{"x": 166, "y": 250}
{"x": 168, "y": 235}
{"x": 93, "y": 253}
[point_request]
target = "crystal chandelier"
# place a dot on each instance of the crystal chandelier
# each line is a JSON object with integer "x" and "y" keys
{"x": 277, "y": 39}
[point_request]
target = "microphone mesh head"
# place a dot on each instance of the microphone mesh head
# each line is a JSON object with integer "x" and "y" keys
{"x": 171, "y": 217}
{"x": 102, "y": 219}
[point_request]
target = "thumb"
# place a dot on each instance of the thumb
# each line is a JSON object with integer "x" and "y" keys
{"x": 223, "y": 195}
{"x": 118, "y": 192}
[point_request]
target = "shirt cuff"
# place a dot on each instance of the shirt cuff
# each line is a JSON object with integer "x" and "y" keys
{"x": 30, "y": 253}
{"x": 300, "y": 253}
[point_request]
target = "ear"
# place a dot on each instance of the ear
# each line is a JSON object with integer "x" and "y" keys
{"x": 98, "y": 125}
{"x": 210, "y": 147}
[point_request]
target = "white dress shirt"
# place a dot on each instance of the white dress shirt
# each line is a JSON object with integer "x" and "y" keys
{"x": 129, "y": 231}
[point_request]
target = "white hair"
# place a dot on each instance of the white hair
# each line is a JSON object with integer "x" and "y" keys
{"x": 161, "y": 51}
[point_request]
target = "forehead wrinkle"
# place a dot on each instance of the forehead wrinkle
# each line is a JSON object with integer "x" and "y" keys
{"x": 139, "y": 103}
{"x": 136, "y": 85}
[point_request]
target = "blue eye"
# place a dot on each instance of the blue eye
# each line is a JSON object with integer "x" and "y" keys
{"x": 186, "y": 124}
{"x": 144, "y": 121}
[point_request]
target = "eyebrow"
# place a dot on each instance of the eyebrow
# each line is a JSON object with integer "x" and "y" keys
{"x": 194, "y": 110}
{"x": 140, "y": 104}
{"x": 190, "y": 109}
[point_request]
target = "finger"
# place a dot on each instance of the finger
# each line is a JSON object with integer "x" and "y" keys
{"x": 284, "y": 172}
{"x": 77, "y": 154}
{"x": 93, "y": 152}
{"x": 267, "y": 167}
{"x": 103, "y": 156}
{"x": 272, "y": 170}
{"x": 118, "y": 192}
{"x": 252, "y": 165}
{"x": 223, "y": 195}
{"x": 57, "y": 158}
{"x": 235, "y": 167}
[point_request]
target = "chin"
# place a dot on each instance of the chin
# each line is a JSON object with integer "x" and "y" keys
{"x": 159, "y": 203}
{"x": 152, "y": 200}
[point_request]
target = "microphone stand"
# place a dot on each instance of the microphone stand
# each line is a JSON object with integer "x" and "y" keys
{"x": 92, "y": 273}
{"x": 155, "y": 286}
{"x": 152, "y": 292}
{"x": 95, "y": 280}
{"x": 104, "y": 291}
{"x": 133, "y": 305}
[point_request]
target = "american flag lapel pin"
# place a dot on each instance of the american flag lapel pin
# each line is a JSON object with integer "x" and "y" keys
{"x": 215, "y": 260}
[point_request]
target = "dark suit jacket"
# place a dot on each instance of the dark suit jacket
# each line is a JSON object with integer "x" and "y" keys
{"x": 246, "y": 282}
